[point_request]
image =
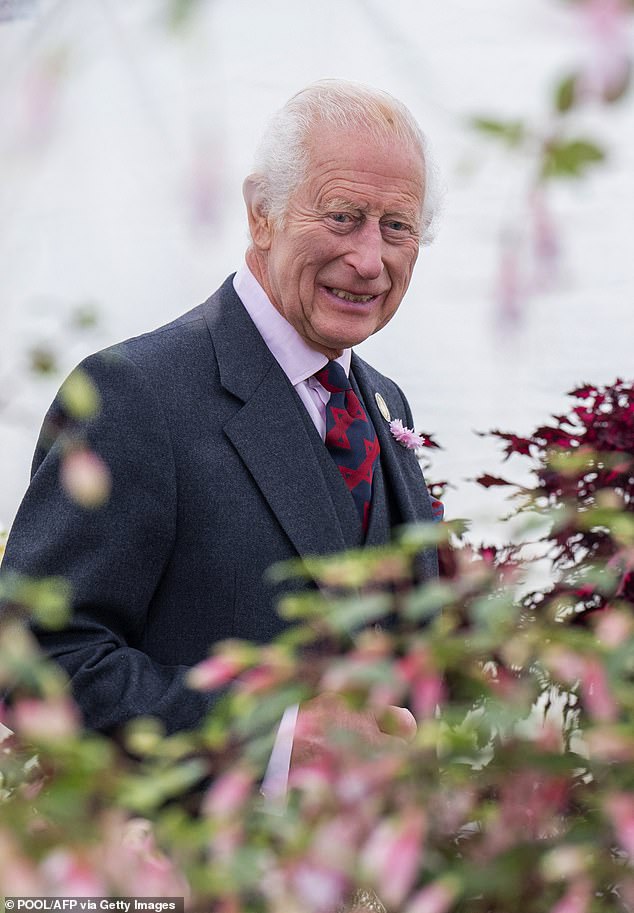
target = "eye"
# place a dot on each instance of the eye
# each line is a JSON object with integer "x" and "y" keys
{"x": 396, "y": 226}
{"x": 341, "y": 218}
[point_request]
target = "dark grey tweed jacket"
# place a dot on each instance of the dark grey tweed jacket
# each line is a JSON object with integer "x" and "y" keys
{"x": 217, "y": 473}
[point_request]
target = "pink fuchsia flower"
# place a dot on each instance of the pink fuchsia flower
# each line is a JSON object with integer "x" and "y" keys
{"x": 358, "y": 783}
{"x": 336, "y": 840}
{"x": 228, "y": 793}
{"x": 596, "y": 694}
{"x": 435, "y": 898}
{"x": 393, "y": 854}
{"x": 319, "y": 888}
{"x": 221, "y": 668}
{"x": 620, "y": 808}
{"x": 608, "y": 743}
{"x": 606, "y": 74}
{"x": 86, "y": 478}
{"x": 613, "y": 627}
{"x": 545, "y": 240}
{"x": 511, "y": 290}
{"x": 147, "y": 871}
{"x": 576, "y": 899}
{"x": 425, "y": 682}
{"x": 213, "y": 673}
{"x": 274, "y": 669}
{"x": 65, "y": 870}
{"x": 19, "y": 875}
{"x": 406, "y": 436}
{"x": 52, "y": 720}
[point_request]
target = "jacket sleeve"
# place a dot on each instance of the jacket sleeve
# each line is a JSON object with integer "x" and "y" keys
{"x": 113, "y": 555}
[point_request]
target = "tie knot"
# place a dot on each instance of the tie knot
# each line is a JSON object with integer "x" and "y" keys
{"x": 333, "y": 377}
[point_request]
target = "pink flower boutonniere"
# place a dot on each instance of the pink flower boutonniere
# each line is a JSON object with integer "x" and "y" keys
{"x": 407, "y": 437}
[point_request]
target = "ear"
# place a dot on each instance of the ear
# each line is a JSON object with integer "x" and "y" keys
{"x": 260, "y": 224}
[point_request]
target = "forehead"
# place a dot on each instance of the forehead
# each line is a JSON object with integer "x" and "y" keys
{"x": 366, "y": 170}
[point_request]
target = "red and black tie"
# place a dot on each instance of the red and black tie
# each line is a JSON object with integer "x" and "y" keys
{"x": 350, "y": 437}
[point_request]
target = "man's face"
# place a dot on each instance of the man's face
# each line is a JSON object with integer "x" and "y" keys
{"x": 340, "y": 264}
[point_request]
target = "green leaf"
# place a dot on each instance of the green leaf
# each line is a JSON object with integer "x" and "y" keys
{"x": 570, "y": 158}
{"x": 565, "y": 93}
{"x": 48, "y": 599}
{"x": 151, "y": 788}
{"x": 512, "y": 132}
{"x": 428, "y": 600}
{"x": 43, "y": 360}
{"x": 85, "y": 316}
{"x": 495, "y": 611}
{"x": 79, "y": 395}
{"x": 179, "y": 12}
{"x": 346, "y": 616}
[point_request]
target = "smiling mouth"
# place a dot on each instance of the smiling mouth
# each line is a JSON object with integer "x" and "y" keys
{"x": 348, "y": 296}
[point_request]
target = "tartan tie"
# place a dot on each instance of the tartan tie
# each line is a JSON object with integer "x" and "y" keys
{"x": 350, "y": 437}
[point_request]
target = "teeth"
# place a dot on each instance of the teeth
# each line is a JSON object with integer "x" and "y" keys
{"x": 347, "y": 296}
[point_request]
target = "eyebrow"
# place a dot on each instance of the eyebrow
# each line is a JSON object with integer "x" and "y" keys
{"x": 339, "y": 204}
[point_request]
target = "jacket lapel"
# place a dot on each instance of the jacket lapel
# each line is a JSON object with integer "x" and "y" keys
{"x": 267, "y": 429}
{"x": 402, "y": 470}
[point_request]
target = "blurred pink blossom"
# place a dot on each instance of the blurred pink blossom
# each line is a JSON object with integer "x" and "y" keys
{"x": 595, "y": 691}
{"x": 576, "y": 899}
{"x": 150, "y": 873}
{"x": 425, "y": 682}
{"x": 357, "y": 784}
{"x": 205, "y": 181}
{"x": 546, "y": 243}
{"x": 620, "y": 807}
{"x": 215, "y": 672}
{"x": 262, "y": 678}
{"x": 607, "y": 23}
{"x": 52, "y": 719}
{"x": 564, "y": 663}
{"x": 608, "y": 743}
{"x": 614, "y": 627}
{"x": 85, "y": 477}
{"x": 393, "y": 854}
{"x": 511, "y": 292}
{"x": 314, "y": 777}
{"x": 19, "y": 875}
{"x": 531, "y": 801}
{"x": 41, "y": 97}
{"x": 228, "y": 793}
{"x": 434, "y": 898}
{"x": 69, "y": 872}
{"x": 319, "y": 888}
{"x": 336, "y": 840}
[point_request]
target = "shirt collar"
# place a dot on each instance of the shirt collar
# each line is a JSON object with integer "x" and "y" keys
{"x": 290, "y": 350}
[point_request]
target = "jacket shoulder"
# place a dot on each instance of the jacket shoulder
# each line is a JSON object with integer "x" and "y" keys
{"x": 179, "y": 342}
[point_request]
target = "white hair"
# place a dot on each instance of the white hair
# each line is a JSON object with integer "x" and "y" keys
{"x": 281, "y": 158}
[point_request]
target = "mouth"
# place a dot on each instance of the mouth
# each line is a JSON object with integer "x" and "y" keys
{"x": 349, "y": 296}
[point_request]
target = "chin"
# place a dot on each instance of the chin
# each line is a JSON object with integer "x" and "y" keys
{"x": 346, "y": 339}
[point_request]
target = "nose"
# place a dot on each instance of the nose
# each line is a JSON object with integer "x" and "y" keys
{"x": 366, "y": 250}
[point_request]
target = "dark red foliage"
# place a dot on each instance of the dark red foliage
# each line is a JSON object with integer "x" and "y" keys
{"x": 487, "y": 481}
{"x": 584, "y": 473}
{"x": 428, "y": 441}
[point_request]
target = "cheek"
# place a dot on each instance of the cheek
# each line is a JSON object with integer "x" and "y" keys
{"x": 403, "y": 269}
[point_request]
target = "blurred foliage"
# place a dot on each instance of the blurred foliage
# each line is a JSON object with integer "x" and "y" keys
{"x": 603, "y": 78}
{"x": 517, "y": 792}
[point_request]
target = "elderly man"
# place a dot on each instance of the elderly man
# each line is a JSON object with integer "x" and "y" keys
{"x": 246, "y": 432}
